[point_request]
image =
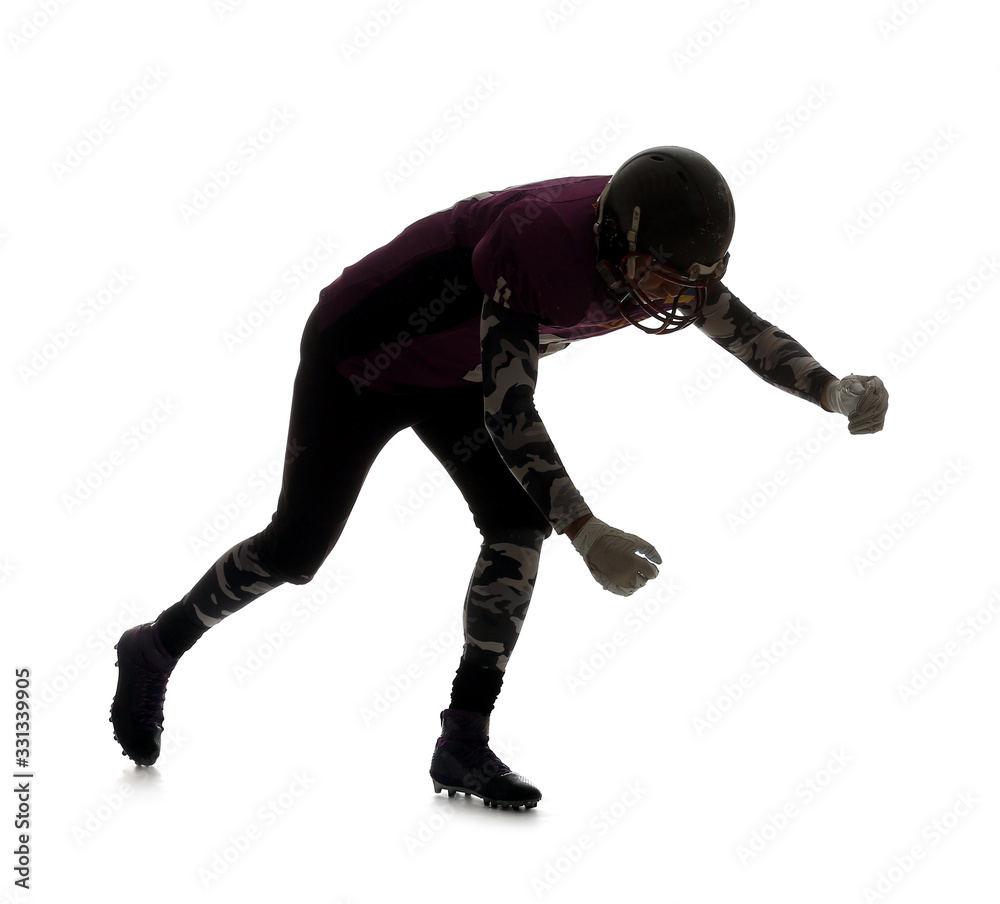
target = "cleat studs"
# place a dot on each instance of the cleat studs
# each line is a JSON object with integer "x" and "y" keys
{"x": 451, "y": 793}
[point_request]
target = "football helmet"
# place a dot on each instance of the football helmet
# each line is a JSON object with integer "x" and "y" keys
{"x": 664, "y": 224}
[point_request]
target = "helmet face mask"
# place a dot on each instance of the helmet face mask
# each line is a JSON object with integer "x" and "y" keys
{"x": 672, "y": 298}
{"x": 664, "y": 223}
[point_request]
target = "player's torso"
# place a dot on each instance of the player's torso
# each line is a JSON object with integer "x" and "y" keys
{"x": 407, "y": 315}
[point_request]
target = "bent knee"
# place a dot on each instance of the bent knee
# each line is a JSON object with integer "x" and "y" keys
{"x": 293, "y": 562}
{"x": 304, "y": 578}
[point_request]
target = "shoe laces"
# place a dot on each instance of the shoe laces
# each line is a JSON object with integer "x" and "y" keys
{"x": 481, "y": 761}
{"x": 151, "y": 685}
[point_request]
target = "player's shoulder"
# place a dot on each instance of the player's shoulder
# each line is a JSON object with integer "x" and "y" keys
{"x": 566, "y": 190}
{"x": 552, "y": 208}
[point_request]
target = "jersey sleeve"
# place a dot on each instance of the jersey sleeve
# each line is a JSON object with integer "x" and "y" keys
{"x": 768, "y": 351}
{"x": 509, "y": 341}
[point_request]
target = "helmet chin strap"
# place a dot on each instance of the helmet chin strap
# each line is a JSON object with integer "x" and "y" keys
{"x": 616, "y": 286}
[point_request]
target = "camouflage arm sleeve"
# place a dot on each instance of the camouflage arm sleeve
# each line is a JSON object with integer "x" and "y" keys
{"x": 510, "y": 369}
{"x": 768, "y": 351}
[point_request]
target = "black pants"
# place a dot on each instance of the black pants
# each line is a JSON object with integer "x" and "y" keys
{"x": 335, "y": 433}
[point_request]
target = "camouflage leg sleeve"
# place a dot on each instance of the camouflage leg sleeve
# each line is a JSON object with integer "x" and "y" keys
{"x": 498, "y": 596}
{"x": 237, "y": 578}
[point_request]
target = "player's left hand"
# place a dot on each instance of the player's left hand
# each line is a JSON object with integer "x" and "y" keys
{"x": 619, "y": 561}
{"x": 863, "y": 399}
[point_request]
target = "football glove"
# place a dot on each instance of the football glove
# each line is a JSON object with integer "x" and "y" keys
{"x": 615, "y": 558}
{"x": 863, "y": 399}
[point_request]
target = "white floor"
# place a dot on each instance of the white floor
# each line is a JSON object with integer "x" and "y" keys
{"x": 801, "y": 707}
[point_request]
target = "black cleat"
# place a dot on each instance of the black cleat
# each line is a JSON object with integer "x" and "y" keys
{"x": 463, "y": 761}
{"x": 137, "y": 710}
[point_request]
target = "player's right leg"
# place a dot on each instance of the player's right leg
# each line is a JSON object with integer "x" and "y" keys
{"x": 334, "y": 436}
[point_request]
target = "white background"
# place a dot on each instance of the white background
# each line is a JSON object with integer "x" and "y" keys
{"x": 663, "y": 778}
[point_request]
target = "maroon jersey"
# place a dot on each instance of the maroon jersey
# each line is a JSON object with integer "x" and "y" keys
{"x": 407, "y": 315}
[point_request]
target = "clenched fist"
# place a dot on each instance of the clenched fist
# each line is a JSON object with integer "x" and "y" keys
{"x": 863, "y": 399}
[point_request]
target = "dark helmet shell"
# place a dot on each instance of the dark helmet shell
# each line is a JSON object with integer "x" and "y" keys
{"x": 670, "y": 202}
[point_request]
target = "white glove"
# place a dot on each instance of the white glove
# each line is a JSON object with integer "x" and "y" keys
{"x": 863, "y": 399}
{"x": 611, "y": 556}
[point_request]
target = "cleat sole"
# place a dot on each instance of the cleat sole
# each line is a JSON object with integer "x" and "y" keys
{"x": 487, "y": 802}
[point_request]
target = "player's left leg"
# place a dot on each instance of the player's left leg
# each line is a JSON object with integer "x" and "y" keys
{"x": 513, "y": 530}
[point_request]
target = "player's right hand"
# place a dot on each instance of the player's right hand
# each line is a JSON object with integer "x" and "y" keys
{"x": 615, "y": 558}
{"x": 863, "y": 399}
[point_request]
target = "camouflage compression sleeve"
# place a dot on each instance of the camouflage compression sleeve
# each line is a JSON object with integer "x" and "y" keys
{"x": 770, "y": 353}
{"x": 510, "y": 370}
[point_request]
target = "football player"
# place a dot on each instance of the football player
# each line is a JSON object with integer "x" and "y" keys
{"x": 441, "y": 331}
